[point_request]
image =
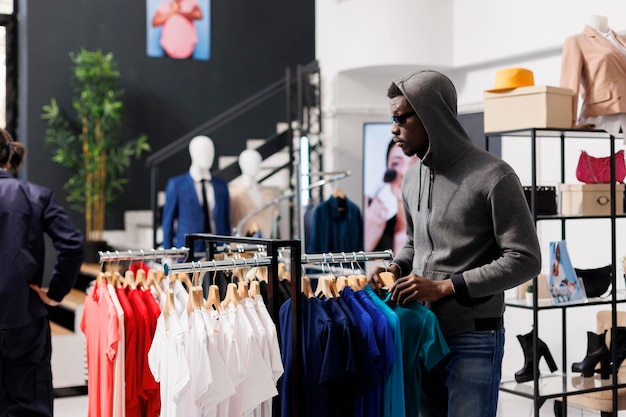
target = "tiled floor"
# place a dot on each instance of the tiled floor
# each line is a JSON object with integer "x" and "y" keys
{"x": 509, "y": 406}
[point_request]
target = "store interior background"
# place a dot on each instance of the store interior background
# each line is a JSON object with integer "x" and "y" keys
{"x": 360, "y": 45}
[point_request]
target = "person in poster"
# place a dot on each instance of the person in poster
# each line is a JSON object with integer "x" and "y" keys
{"x": 178, "y": 29}
{"x": 385, "y": 223}
{"x": 564, "y": 284}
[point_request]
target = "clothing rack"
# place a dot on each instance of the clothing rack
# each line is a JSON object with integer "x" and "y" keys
{"x": 108, "y": 256}
{"x": 275, "y": 248}
{"x": 339, "y": 257}
{"x": 204, "y": 266}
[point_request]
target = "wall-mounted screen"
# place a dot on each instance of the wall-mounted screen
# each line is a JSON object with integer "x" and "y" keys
{"x": 384, "y": 165}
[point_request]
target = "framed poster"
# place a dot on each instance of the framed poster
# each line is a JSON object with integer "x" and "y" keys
{"x": 565, "y": 287}
{"x": 384, "y": 165}
{"x": 178, "y": 29}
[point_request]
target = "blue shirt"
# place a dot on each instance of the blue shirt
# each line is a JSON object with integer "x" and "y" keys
{"x": 370, "y": 373}
{"x": 336, "y": 230}
{"x": 394, "y": 387}
{"x": 321, "y": 362}
{"x": 422, "y": 344}
{"x": 384, "y": 339}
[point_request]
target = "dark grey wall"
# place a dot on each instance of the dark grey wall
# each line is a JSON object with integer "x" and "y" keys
{"x": 251, "y": 45}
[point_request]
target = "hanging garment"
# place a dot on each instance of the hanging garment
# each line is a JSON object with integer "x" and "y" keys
{"x": 337, "y": 227}
{"x": 100, "y": 325}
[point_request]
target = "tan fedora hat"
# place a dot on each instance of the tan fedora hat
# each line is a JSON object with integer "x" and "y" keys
{"x": 510, "y": 78}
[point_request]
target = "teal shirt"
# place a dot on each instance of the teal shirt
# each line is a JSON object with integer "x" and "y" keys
{"x": 393, "y": 395}
{"x": 422, "y": 344}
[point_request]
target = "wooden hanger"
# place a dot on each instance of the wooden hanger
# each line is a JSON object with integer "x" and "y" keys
{"x": 232, "y": 297}
{"x": 306, "y": 288}
{"x": 184, "y": 277}
{"x": 170, "y": 303}
{"x": 261, "y": 274}
{"x": 326, "y": 287}
{"x": 387, "y": 278}
{"x": 140, "y": 279}
{"x": 282, "y": 272}
{"x": 341, "y": 282}
{"x": 242, "y": 289}
{"x": 117, "y": 280}
{"x": 353, "y": 282}
{"x": 213, "y": 299}
{"x": 362, "y": 281}
{"x": 160, "y": 276}
{"x": 195, "y": 300}
{"x": 255, "y": 288}
{"x": 151, "y": 281}
{"x": 129, "y": 280}
{"x": 338, "y": 193}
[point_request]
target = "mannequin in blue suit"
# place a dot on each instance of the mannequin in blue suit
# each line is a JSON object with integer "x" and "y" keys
{"x": 182, "y": 213}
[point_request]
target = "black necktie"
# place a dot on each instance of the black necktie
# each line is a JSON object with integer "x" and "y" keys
{"x": 205, "y": 208}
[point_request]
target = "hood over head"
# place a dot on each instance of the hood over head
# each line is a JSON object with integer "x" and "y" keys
{"x": 433, "y": 97}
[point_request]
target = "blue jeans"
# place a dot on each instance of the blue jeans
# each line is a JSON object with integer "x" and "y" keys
{"x": 466, "y": 383}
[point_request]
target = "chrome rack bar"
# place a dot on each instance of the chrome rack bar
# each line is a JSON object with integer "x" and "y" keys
{"x": 108, "y": 256}
{"x": 202, "y": 266}
{"x": 347, "y": 257}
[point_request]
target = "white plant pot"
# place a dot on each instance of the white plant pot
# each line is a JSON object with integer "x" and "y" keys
{"x": 529, "y": 298}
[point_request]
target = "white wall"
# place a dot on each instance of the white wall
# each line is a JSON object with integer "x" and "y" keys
{"x": 362, "y": 45}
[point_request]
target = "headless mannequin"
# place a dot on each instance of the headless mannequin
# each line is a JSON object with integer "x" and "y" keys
{"x": 596, "y": 51}
{"x": 247, "y": 195}
{"x": 182, "y": 213}
{"x": 202, "y": 153}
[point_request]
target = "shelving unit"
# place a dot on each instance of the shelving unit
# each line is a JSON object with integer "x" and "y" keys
{"x": 565, "y": 384}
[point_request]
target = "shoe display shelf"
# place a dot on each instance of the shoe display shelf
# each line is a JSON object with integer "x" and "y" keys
{"x": 561, "y": 385}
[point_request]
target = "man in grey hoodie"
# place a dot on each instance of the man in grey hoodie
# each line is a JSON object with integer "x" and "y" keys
{"x": 470, "y": 237}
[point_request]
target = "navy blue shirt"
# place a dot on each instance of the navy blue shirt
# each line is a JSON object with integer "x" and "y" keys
{"x": 27, "y": 212}
{"x": 336, "y": 230}
{"x": 320, "y": 363}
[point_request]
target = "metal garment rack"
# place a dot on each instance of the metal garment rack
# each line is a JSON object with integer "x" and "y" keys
{"x": 112, "y": 256}
{"x": 274, "y": 248}
{"x": 275, "y": 253}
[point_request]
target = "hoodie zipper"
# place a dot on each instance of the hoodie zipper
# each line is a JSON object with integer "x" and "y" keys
{"x": 430, "y": 201}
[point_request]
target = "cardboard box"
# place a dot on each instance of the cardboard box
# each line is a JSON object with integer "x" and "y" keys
{"x": 527, "y": 107}
{"x": 590, "y": 199}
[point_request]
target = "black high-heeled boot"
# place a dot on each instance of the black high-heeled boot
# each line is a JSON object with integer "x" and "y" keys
{"x": 620, "y": 345}
{"x": 526, "y": 373}
{"x": 596, "y": 352}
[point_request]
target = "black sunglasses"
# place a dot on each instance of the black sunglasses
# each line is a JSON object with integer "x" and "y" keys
{"x": 400, "y": 119}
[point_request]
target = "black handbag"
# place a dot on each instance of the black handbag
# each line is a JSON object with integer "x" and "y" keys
{"x": 596, "y": 280}
{"x": 545, "y": 197}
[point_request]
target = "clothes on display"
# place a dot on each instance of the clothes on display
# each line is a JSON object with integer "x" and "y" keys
{"x": 244, "y": 200}
{"x": 370, "y": 358}
{"x": 183, "y": 211}
{"x": 247, "y": 196}
{"x": 211, "y": 363}
{"x": 337, "y": 226}
{"x": 119, "y": 324}
{"x": 594, "y": 67}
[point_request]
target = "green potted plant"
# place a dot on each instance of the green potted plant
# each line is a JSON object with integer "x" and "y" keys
{"x": 90, "y": 145}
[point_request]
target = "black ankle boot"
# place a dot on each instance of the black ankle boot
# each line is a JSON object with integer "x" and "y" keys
{"x": 620, "y": 345}
{"x": 526, "y": 373}
{"x": 596, "y": 352}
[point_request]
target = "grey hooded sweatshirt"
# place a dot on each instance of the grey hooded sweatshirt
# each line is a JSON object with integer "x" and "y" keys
{"x": 467, "y": 217}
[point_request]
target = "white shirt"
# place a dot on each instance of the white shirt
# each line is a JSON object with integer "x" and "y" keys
{"x": 168, "y": 363}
